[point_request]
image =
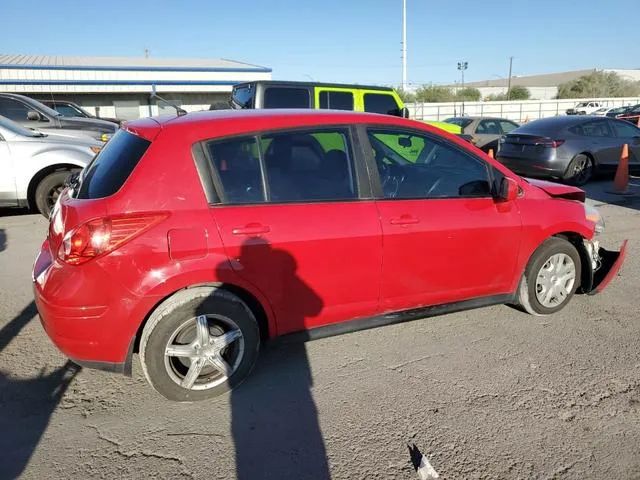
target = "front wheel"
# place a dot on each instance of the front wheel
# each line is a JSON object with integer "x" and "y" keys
{"x": 48, "y": 191}
{"x": 551, "y": 277}
{"x": 580, "y": 170}
{"x": 199, "y": 344}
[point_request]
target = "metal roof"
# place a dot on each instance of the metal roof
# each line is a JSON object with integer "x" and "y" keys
{"x": 57, "y": 62}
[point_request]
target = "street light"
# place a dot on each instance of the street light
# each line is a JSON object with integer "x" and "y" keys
{"x": 462, "y": 66}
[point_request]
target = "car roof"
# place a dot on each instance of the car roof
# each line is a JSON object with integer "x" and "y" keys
{"x": 233, "y": 122}
{"x": 479, "y": 117}
{"x": 558, "y": 122}
{"x": 315, "y": 84}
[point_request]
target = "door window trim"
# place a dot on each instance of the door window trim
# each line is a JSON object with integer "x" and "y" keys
{"x": 363, "y": 185}
{"x": 372, "y": 167}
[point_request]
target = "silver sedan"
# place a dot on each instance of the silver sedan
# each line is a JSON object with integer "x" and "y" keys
{"x": 34, "y": 165}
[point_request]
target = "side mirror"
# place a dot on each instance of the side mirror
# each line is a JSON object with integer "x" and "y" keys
{"x": 508, "y": 190}
{"x": 404, "y": 142}
{"x": 404, "y": 112}
{"x": 33, "y": 116}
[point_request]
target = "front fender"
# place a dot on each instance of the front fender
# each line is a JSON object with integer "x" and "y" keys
{"x": 28, "y": 169}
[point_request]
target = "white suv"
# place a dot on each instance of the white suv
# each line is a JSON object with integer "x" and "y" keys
{"x": 585, "y": 108}
{"x": 34, "y": 165}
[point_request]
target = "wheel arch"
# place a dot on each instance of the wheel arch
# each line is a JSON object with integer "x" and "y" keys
{"x": 41, "y": 174}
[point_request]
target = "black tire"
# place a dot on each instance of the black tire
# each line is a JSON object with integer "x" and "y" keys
{"x": 527, "y": 296}
{"x": 580, "y": 170}
{"x": 48, "y": 190}
{"x": 172, "y": 315}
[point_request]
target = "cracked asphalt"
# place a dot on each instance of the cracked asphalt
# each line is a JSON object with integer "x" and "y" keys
{"x": 483, "y": 394}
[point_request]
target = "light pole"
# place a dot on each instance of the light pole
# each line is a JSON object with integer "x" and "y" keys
{"x": 509, "y": 81}
{"x": 462, "y": 66}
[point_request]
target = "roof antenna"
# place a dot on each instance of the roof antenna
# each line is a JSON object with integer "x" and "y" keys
{"x": 179, "y": 111}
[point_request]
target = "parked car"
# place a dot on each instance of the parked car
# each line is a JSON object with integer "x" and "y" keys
{"x": 485, "y": 131}
{"x": 332, "y": 96}
{"x": 569, "y": 148}
{"x": 196, "y": 239}
{"x": 71, "y": 109}
{"x": 34, "y": 165}
{"x": 632, "y": 115}
{"x": 584, "y": 108}
{"x": 32, "y": 114}
{"x": 615, "y": 112}
{"x": 602, "y": 112}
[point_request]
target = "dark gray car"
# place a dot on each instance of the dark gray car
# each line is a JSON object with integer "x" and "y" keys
{"x": 571, "y": 148}
{"x": 32, "y": 114}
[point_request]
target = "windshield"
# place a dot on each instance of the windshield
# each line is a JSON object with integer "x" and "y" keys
{"x": 583, "y": 104}
{"x": 19, "y": 129}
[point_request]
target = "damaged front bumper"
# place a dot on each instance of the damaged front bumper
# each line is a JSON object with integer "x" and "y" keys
{"x": 603, "y": 265}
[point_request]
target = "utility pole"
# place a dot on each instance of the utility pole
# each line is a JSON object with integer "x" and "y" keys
{"x": 404, "y": 45}
{"x": 509, "y": 81}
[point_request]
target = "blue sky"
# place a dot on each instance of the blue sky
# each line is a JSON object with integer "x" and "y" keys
{"x": 338, "y": 40}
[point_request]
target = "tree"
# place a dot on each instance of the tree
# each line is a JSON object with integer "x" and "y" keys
{"x": 517, "y": 93}
{"x": 599, "y": 84}
{"x": 468, "y": 94}
{"x": 434, "y": 94}
{"x": 406, "y": 96}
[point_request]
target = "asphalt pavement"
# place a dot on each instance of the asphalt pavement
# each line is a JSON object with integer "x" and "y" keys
{"x": 488, "y": 393}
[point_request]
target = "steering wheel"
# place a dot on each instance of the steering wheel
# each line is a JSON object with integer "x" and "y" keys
{"x": 433, "y": 187}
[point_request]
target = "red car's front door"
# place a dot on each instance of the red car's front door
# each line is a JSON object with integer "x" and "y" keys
{"x": 445, "y": 237}
{"x": 306, "y": 241}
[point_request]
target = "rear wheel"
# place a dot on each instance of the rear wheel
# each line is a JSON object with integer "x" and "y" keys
{"x": 48, "y": 191}
{"x": 551, "y": 277}
{"x": 580, "y": 170}
{"x": 199, "y": 344}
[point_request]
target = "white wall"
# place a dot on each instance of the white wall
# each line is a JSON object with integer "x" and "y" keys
{"x": 514, "y": 110}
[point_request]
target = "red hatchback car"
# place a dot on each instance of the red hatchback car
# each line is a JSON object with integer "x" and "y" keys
{"x": 192, "y": 240}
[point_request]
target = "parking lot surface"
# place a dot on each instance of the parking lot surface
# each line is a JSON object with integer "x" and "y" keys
{"x": 488, "y": 393}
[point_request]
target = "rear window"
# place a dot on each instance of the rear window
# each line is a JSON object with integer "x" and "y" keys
{"x": 108, "y": 171}
{"x": 279, "y": 97}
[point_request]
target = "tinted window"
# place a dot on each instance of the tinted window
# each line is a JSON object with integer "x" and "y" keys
{"x": 489, "y": 127}
{"x": 380, "y": 103}
{"x": 108, "y": 171}
{"x": 309, "y": 166}
{"x": 336, "y": 100}
{"x": 594, "y": 129}
{"x": 286, "y": 97}
{"x": 412, "y": 165}
{"x": 238, "y": 166}
{"x": 13, "y": 109}
{"x": 507, "y": 126}
{"x": 625, "y": 129}
{"x": 242, "y": 97}
{"x": 68, "y": 111}
{"x": 461, "y": 122}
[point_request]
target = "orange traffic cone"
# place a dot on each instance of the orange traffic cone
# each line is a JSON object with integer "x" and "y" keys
{"x": 621, "y": 181}
{"x": 491, "y": 152}
{"x": 526, "y": 119}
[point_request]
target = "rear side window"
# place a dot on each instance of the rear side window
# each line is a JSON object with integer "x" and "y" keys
{"x": 336, "y": 100}
{"x": 381, "y": 103}
{"x": 281, "y": 97}
{"x": 242, "y": 97}
{"x": 108, "y": 171}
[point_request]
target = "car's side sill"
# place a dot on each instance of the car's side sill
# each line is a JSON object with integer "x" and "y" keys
{"x": 391, "y": 318}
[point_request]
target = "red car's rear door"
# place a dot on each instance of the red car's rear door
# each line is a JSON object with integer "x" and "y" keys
{"x": 306, "y": 241}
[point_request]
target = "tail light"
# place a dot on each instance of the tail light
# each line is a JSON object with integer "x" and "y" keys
{"x": 103, "y": 235}
{"x": 550, "y": 143}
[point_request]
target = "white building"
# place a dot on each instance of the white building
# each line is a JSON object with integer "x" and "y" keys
{"x": 121, "y": 86}
{"x": 543, "y": 87}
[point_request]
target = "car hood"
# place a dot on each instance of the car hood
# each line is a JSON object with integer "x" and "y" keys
{"x": 557, "y": 190}
{"x": 92, "y": 124}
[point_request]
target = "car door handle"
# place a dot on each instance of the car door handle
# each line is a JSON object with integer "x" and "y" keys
{"x": 404, "y": 220}
{"x": 251, "y": 229}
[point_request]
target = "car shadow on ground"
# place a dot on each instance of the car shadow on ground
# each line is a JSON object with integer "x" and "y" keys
{"x": 12, "y": 212}
{"x": 3, "y": 240}
{"x": 274, "y": 418}
{"x": 26, "y": 405}
{"x": 601, "y": 193}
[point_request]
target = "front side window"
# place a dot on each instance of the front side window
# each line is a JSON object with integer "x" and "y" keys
{"x": 309, "y": 165}
{"x": 286, "y": 97}
{"x": 336, "y": 100}
{"x": 381, "y": 103}
{"x": 13, "y": 109}
{"x": 413, "y": 166}
{"x": 237, "y": 162}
